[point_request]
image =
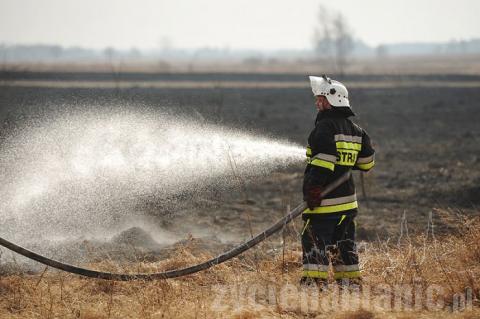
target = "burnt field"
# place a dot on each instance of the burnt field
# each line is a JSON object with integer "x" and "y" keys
{"x": 427, "y": 140}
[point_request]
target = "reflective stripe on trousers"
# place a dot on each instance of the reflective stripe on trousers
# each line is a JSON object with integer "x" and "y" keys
{"x": 334, "y": 205}
{"x": 321, "y": 271}
{"x": 346, "y": 271}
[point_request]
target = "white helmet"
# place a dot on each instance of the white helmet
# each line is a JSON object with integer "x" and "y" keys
{"x": 335, "y": 92}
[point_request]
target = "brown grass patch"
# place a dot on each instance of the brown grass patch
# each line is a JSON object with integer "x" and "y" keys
{"x": 264, "y": 284}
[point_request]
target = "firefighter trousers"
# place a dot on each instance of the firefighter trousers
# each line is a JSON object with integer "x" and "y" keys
{"x": 330, "y": 240}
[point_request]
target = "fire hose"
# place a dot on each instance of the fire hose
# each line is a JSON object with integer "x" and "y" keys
{"x": 176, "y": 272}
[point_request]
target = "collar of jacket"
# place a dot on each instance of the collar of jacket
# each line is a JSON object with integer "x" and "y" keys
{"x": 335, "y": 112}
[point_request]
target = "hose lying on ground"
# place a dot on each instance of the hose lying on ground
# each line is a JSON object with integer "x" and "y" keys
{"x": 176, "y": 272}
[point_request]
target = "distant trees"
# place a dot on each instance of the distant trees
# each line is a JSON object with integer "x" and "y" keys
{"x": 381, "y": 51}
{"x": 333, "y": 39}
{"x": 109, "y": 53}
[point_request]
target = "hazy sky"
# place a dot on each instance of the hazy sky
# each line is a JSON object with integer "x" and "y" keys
{"x": 257, "y": 24}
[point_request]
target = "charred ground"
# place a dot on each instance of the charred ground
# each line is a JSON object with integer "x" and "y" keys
{"x": 426, "y": 137}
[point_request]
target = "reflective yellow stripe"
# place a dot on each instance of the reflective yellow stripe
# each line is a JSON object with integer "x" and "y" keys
{"x": 317, "y": 267}
{"x": 309, "y": 151}
{"x": 347, "y": 274}
{"x": 315, "y": 274}
{"x": 367, "y": 166}
{"x": 349, "y": 145}
{"x": 322, "y": 163}
{"x": 341, "y": 219}
{"x": 332, "y": 208}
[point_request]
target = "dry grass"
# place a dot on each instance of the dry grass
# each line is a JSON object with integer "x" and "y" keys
{"x": 264, "y": 284}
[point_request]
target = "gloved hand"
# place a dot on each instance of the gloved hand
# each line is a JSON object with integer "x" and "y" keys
{"x": 314, "y": 197}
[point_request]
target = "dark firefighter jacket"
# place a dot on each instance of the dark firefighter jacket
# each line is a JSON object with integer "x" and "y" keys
{"x": 335, "y": 145}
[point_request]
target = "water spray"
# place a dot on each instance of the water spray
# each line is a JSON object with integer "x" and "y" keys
{"x": 88, "y": 174}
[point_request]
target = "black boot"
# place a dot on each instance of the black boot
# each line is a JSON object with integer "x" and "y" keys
{"x": 349, "y": 283}
{"x": 309, "y": 282}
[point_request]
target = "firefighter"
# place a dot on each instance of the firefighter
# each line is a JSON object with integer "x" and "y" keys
{"x": 335, "y": 146}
